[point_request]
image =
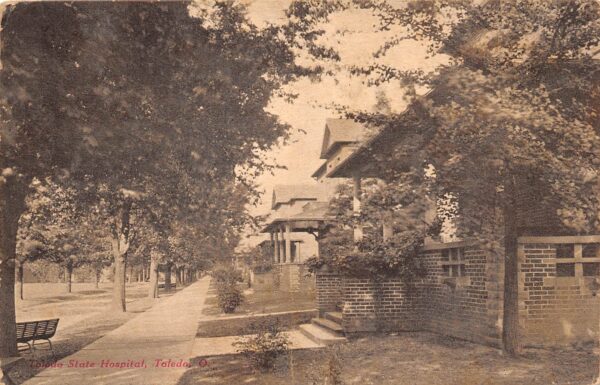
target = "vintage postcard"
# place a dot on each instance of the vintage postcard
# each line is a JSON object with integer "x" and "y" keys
{"x": 300, "y": 192}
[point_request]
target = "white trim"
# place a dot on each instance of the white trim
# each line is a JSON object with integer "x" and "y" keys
{"x": 561, "y": 239}
{"x": 447, "y": 245}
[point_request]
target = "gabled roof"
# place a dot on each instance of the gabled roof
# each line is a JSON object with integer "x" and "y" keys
{"x": 313, "y": 211}
{"x": 312, "y": 214}
{"x": 288, "y": 193}
{"x": 341, "y": 131}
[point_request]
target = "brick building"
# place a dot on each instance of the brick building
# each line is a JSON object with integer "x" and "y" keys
{"x": 462, "y": 292}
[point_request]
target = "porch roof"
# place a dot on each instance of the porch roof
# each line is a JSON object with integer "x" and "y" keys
{"x": 312, "y": 215}
{"x": 283, "y": 194}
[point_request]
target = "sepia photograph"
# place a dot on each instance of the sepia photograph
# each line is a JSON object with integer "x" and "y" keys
{"x": 300, "y": 192}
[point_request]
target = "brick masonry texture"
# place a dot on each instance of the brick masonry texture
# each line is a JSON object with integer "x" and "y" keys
{"x": 553, "y": 310}
{"x": 466, "y": 307}
{"x": 329, "y": 291}
{"x": 293, "y": 277}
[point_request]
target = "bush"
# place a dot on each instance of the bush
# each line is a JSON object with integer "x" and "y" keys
{"x": 229, "y": 296}
{"x": 263, "y": 346}
{"x": 226, "y": 274}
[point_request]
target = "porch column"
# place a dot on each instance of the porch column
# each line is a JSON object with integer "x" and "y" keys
{"x": 275, "y": 248}
{"x": 298, "y": 254}
{"x": 358, "y": 231}
{"x": 288, "y": 242}
{"x": 388, "y": 230}
{"x": 282, "y": 246}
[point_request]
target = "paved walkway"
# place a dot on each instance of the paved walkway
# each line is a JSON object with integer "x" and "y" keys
{"x": 128, "y": 355}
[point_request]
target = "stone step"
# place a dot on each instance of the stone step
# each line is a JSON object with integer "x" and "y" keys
{"x": 320, "y": 335}
{"x": 335, "y": 316}
{"x": 334, "y": 327}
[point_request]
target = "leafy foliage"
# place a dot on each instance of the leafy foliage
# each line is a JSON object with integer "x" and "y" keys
{"x": 261, "y": 258}
{"x": 265, "y": 344}
{"x": 226, "y": 274}
{"x": 373, "y": 256}
{"x": 229, "y": 296}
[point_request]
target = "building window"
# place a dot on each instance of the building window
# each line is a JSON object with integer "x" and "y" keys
{"x": 590, "y": 250}
{"x": 578, "y": 260}
{"x": 591, "y": 269}
{"x": 565, "y": 251}
{"x": 453, "y": 262}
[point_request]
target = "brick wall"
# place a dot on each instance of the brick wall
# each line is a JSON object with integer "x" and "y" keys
{"x": 467, "y": 307}
{"x": 553, "y": 310}
{"x": 294, "y": 277}
{"x": 386, "y": 306}
{"x": 329, "y": 291}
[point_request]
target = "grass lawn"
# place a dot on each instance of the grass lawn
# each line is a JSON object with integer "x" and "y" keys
{"x": 84, "y": 317}
{"x": 408, "y": 359}
{"x": 261, "y": 302}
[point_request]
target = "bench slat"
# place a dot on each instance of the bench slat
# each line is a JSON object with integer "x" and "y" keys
{"x": 30, "y": 331}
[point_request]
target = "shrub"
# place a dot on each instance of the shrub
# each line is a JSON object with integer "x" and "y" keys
{"x": 263, "y": 346}
{"x": 229, "y": 296}
{"x": 226, "y": 274}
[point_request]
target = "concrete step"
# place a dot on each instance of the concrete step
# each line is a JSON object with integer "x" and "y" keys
{"x": 334, "y": 327}
{"x": 320, "y": 335}
{"x": 335, "y": 316}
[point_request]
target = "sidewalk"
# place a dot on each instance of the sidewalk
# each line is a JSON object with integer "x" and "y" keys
{"x": 128, "y": 355}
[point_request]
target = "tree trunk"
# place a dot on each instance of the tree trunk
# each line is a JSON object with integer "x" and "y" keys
{"x": 119, "y": 302}
{"x": 12, "y": 204}
{"x": 69, "y": 276}
{"x": 178, "y": 280}
{"x": 153, "y": 289}
{"x": 98, "y": 273}
{"x": 20, "y": 276}
{"x": 168, "y": 269}
{"x": 130, "y": 275}
{"x": 510, "y": 324}
{"x": 120, "y": 245}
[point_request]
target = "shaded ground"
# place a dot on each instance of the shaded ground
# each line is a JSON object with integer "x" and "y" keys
{"x": 84, "y": 317}
{"x": 262, "y": 302}
{"x": 50, "y": 300}
{"x": 407, "y": 359}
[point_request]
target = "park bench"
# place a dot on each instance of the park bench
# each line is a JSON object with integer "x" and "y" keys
{"x": 30, "y": 332}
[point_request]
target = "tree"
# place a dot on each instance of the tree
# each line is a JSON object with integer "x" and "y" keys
{"x": 90, "y": 92}
{"x": 58, "y": 229}
{"x": 517, "y": 101}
